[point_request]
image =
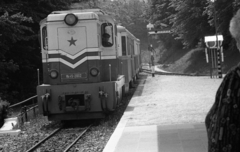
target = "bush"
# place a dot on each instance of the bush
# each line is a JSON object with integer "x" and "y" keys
{"x": 4, "y": 105}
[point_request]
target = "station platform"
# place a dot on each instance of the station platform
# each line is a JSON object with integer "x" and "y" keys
{"x": 165, "y": 114}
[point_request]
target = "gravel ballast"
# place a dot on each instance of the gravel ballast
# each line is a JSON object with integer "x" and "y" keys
{"x": 39, "y": 128}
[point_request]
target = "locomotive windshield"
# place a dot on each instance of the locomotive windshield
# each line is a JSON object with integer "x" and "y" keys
{"x": 107, "y": 34}
{"x": 44, "y": 37}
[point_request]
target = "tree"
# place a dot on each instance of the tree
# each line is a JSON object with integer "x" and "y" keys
{"x": 20, "y": 52}
{"x": 160, "y": 15}
{"x": 12, "y": 30}
{"x": 131, "y": 15}
{"x": 189, "y": 22}
{"x": 224, "y": 12}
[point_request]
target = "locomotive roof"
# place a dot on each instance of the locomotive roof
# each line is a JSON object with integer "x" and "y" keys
{"x": 123, "y": 29}
{"x": 85, "y": 14}
{"x": 98, "y": 11}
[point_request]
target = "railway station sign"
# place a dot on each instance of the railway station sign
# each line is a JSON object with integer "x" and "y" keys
{"x": 214, "y": 54}
{"x": 159, "y": 32}
{"x": 210, "y": 41}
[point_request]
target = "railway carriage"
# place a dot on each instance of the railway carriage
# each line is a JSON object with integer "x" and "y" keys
{"x": 128, "y": 55}
{"x": 88, "y": 64}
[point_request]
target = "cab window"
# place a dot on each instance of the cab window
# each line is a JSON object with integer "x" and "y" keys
{"x": 124, "y": 49}
{"x": 44, "y": 38}
{"x": 107, "y": 34}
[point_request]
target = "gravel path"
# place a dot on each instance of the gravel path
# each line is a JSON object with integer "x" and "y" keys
{"x": 167, "y": 100}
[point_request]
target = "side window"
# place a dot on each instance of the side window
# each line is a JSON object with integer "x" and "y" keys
{"x": 128, "y": 46}
{"x": 124, "y": 45}
{"x": 107, "y": 34}
{"x": 44, "y": 38}
{"x": 133, "y": 48}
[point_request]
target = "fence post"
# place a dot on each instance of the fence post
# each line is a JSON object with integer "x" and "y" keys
{"x": 38, "y": 76}
{"x": 25, "y": 113}
{"x": 22, "y": 119}
{"x": 34, "y": 112}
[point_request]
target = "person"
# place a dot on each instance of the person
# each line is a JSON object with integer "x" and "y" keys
{"x": 223, "y": 119}
{"x": 105, "y": 40}
{"x": 152, "y": 52}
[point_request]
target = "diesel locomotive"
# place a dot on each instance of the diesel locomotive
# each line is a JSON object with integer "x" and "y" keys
{"x": 89, "y": 62}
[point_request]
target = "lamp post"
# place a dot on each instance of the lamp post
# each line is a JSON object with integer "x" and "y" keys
{"x": 149, "y": 27}
{"x": 215, "y": 22}
{"x": 217, "y": 42}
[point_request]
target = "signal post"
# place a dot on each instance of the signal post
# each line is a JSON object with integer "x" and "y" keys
{"x": 154, "y": 31}
{"x": 214, "y": 54}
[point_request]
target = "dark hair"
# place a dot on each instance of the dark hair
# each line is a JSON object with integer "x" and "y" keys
{"x": 234, "y": 25}
{"x": 105, "y": 35}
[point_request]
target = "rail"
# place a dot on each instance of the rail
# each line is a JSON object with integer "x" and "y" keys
{"x": 43, "y": 140}
{"x": 71, "y": 145}
{"x": 68, "y": 143}
{"x": 22, "y": 102}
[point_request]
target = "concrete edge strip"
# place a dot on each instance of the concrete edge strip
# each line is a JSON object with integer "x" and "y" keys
{"x": 113, "y": 141}
{"x": 10, "y": 132}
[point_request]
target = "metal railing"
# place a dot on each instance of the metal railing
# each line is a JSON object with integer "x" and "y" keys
{"x": 24, "y": 110}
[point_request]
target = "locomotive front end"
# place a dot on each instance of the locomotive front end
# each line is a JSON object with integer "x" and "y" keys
{"x": 74, "y": 83}
{"x": 75, "y": 101}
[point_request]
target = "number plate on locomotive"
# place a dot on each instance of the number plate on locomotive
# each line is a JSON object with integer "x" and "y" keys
{"x": 74, "y": 76}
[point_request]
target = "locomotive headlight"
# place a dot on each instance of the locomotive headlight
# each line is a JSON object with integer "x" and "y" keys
{"x": 71, "y": 19}
{"x": 53, "y": 74}
{"x": 94, "y": 72}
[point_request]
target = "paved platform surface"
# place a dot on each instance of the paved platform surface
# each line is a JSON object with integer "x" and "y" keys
{"x": 146, "y": 127}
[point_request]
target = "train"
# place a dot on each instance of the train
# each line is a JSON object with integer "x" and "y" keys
{"x": 89, "y": 62}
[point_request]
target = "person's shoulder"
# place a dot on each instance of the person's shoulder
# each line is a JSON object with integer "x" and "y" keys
{"x": 232, "y": 74}
{"x": 107, "y": 43}
{"x": 234, "y": 70}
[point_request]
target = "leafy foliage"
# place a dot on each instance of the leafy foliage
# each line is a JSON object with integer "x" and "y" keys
{"x": 19, "y": 47}
{"x": 160, "y": 14}
{"x": 191, "y": 20}
{"x": 189, "y": 23}
{"x": 132, "y": 15}
{"x": 3, "y": 111}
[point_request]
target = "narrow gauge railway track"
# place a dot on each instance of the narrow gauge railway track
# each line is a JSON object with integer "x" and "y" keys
{"x": 59, "y": 140}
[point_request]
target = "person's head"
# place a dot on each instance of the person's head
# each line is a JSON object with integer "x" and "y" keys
{"x": 234, "y": 28}
{"x": 105, "y": 37}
